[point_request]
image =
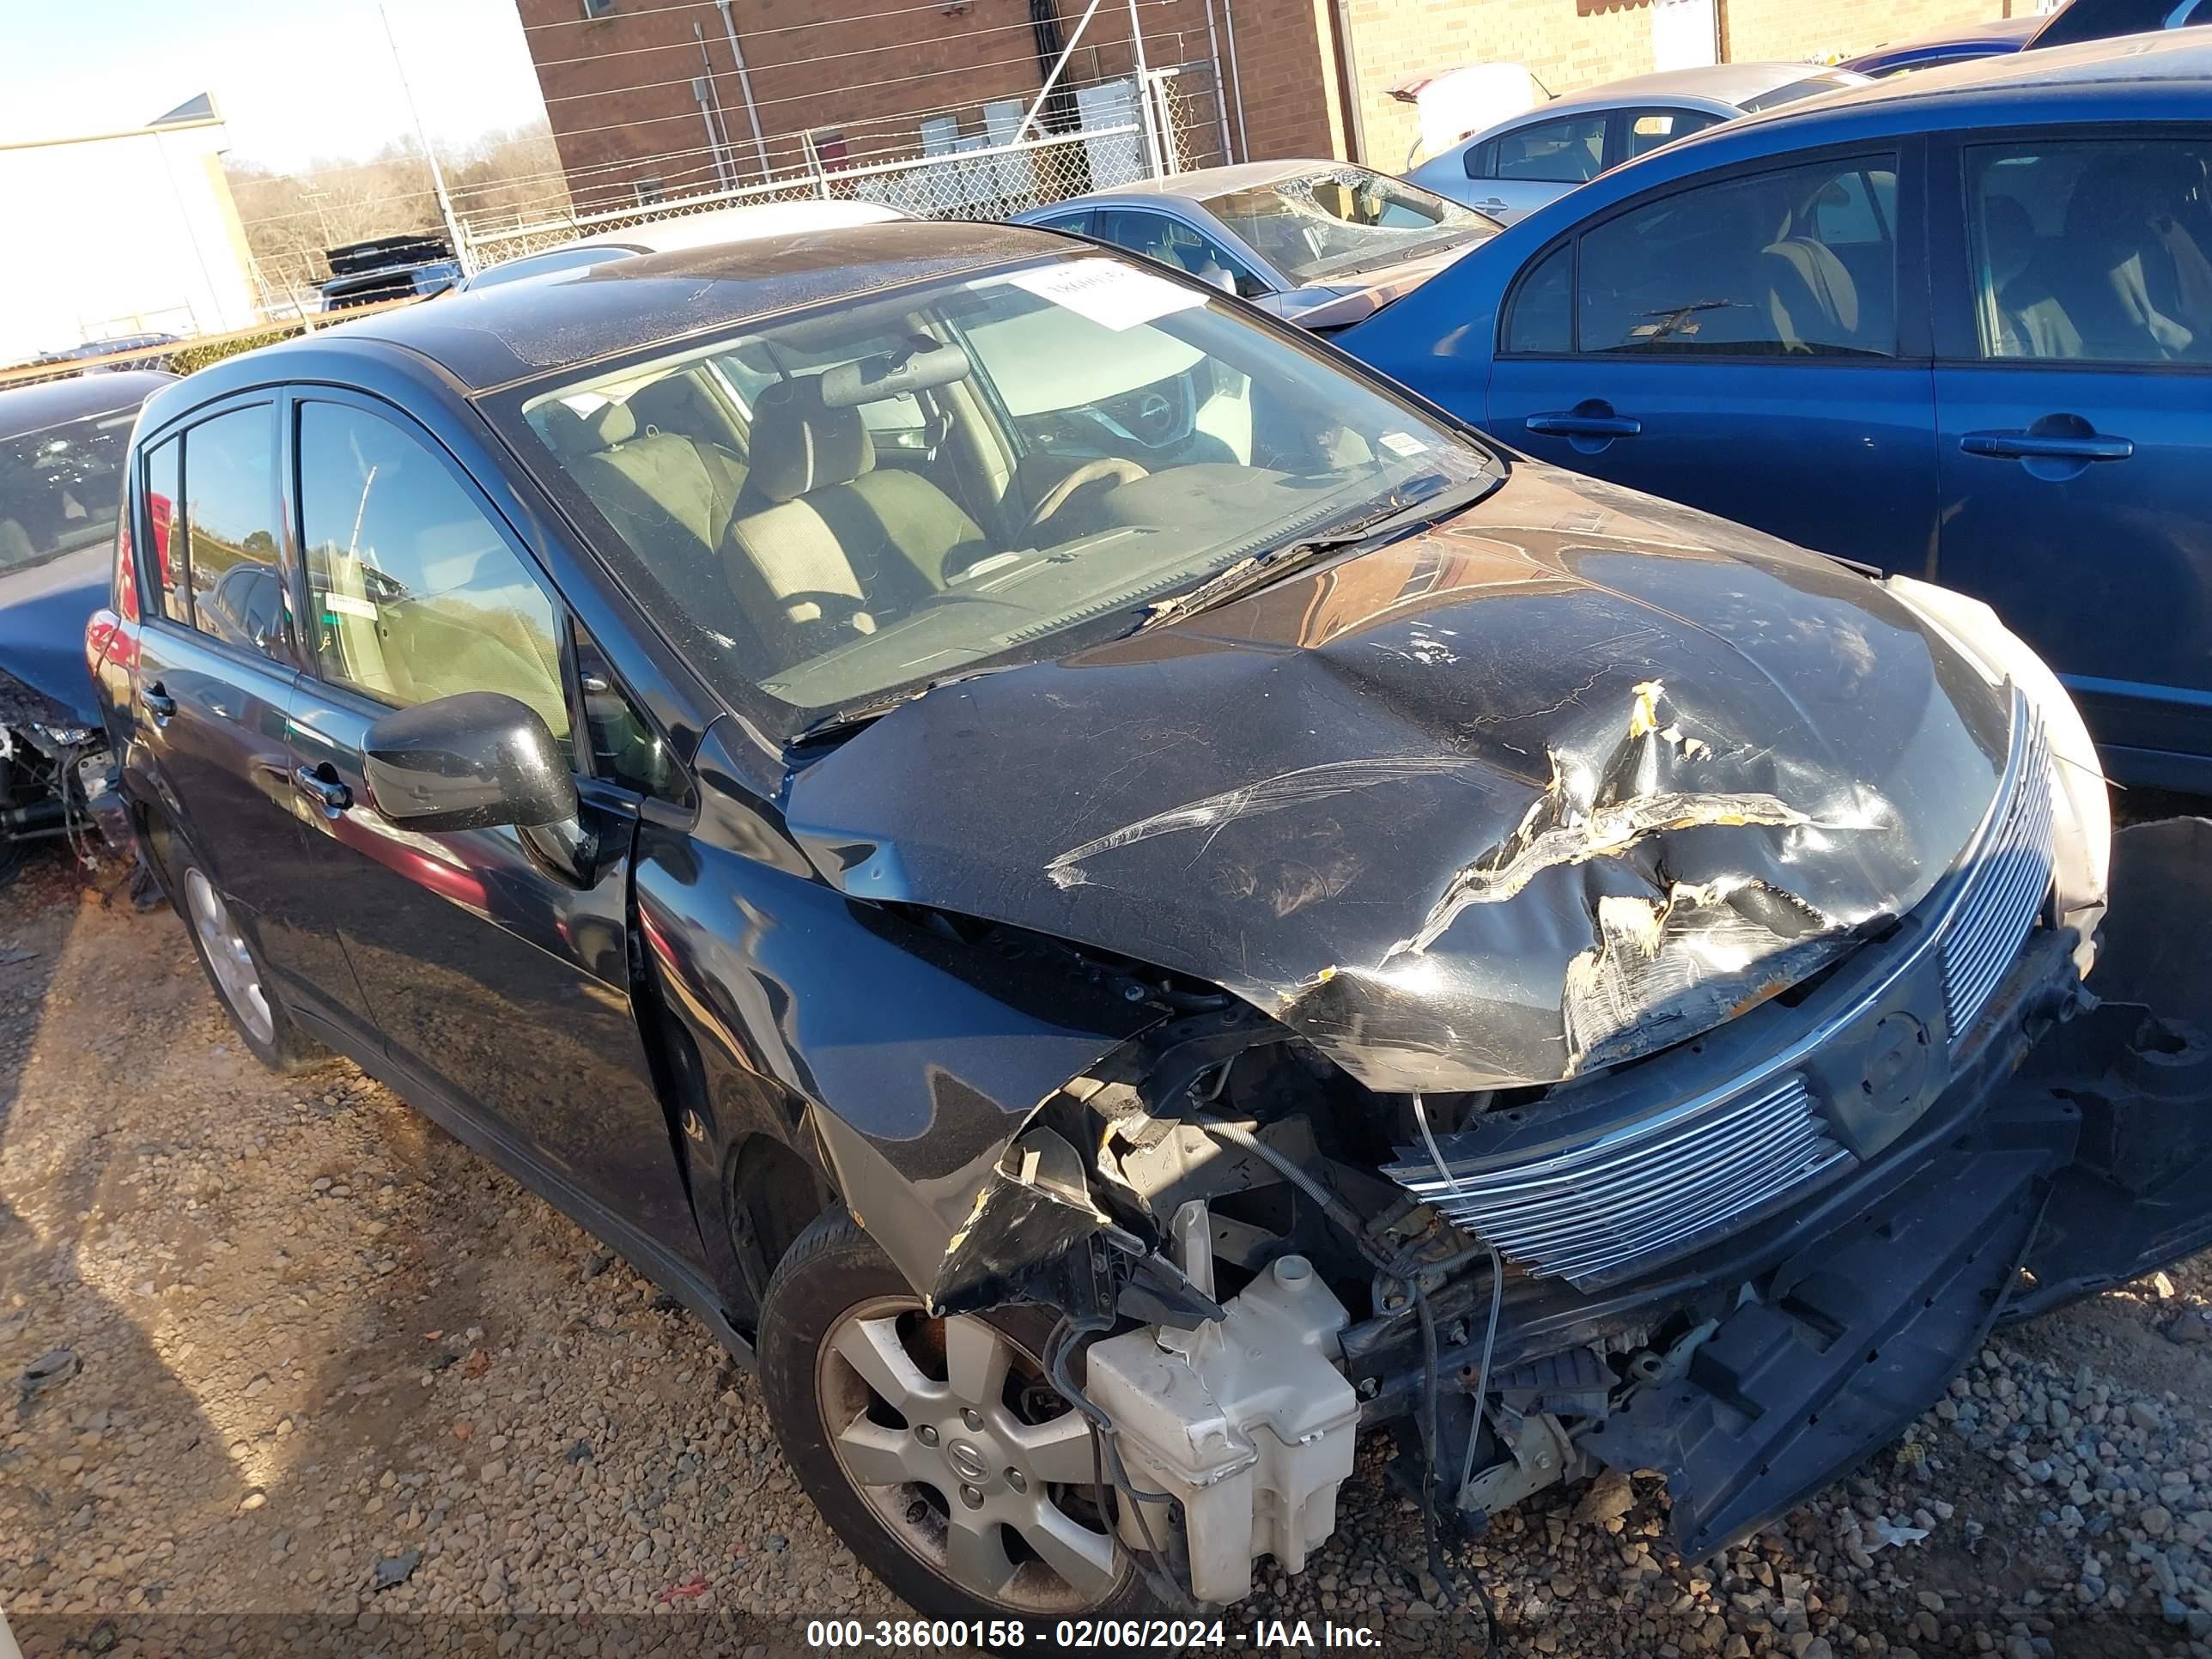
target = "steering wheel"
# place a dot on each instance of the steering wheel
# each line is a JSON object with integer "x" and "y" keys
{"x": 1106, "y": 469}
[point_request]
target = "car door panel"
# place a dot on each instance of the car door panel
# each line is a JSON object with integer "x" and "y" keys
{"x": 1853, "y": 477}
{"x": 2075, "y": 370}
{"x": 1714, "y": 345}
{"x": 492, "y": 972}
{"x": 212, "y": 705}
{"x": 497, "y": 980}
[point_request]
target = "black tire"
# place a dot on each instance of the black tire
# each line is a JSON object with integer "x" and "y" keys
{"x": 830, "y": 1275}
{"x": 279, "y": 1043}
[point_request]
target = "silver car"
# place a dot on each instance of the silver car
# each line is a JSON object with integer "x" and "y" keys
{"x": 1509, "y": 170}
{"x": 1321, "y": 243}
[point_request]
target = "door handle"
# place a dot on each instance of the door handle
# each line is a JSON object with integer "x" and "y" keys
{"x": 328, "y": 794}
{"x": 2046, "y": 446}
{"x": 1584, "y": 421}
{"x": 158, "y": 703}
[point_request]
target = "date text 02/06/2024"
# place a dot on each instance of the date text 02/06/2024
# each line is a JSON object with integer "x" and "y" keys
{"x": 924, "y": 1635}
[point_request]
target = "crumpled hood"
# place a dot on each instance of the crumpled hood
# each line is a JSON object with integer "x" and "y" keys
{"x": 43, "y": 611}
{"x": 1573, "y": 777}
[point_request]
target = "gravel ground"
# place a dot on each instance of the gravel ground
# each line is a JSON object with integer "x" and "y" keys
{"x": 326, "y": 1380}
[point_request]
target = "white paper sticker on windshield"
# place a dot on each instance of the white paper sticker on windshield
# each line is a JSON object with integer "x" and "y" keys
{"x": 1106, "y": 292}
{"x": 1403, "y": 443}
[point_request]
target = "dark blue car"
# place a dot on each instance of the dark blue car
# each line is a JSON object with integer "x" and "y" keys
{"x": 1958, "y": 324}
{"x": 1955, "y": 44}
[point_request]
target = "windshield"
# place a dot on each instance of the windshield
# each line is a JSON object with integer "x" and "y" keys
{"x": 1314, "y": 226}
{"x": 845, "y": 504}
{"x": 59, "y": 486}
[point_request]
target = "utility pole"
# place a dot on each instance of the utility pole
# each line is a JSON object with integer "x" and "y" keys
{"x": 1144, "y": 111}
{"x": 453, "y": 236}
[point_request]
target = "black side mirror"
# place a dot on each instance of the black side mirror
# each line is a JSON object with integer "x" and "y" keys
{"x": 471, "y": 761}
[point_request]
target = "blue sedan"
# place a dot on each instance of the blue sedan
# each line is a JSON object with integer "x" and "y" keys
{"x": 1957, "y": 324}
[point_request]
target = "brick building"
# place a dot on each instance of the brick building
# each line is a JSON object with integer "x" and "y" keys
{"x": 650, "y": 98}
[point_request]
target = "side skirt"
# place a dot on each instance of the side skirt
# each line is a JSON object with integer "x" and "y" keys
{"x": 472, "y": 1131}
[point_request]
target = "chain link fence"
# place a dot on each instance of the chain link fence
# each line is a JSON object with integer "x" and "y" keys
{"x": 977, "y": 179}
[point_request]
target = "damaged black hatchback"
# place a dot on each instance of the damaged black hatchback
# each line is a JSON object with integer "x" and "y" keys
{"x": 1122, "y": 901}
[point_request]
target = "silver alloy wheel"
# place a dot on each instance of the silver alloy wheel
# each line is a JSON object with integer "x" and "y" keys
{"x": 965, "y": 1475}
{"x": 235, "y": 976}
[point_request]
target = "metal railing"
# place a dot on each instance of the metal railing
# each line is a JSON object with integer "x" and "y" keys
{"x": 975, "y": 180}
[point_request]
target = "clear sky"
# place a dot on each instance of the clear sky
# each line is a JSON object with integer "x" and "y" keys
{"x": 297, "y": 80}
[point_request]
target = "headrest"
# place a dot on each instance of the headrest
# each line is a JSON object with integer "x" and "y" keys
{"x": 570, "y": 433}
{"x": 2009, "y": 235}
{"x": 614, "y": 424}
{"x": 800, "y": 444}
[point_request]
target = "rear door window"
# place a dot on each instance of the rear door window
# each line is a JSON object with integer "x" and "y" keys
{"x": 1569, "y": 150}
{"x": 1542, "y": 322}
{"x": 1171, "y": 242}
{"x": 231, "y": 517}
{"x": 1643, "y": 131}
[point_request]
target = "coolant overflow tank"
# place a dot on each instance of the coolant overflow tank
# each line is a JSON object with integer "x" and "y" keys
{"x": 1247, "y": 1422}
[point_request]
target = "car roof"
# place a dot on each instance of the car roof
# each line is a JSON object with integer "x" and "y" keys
{"x": 2156, "y": 77}
{"x": 2178, "y": 58}
{"x": 517, "y": 331}
{"x": 1726, "y": 83}
{"x": 741, "y": 224}
{"x": 1997, "y": 30}
{"x": 30, "y": 407}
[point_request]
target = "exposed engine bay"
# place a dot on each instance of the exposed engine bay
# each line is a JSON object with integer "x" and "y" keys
{"x": 52, "y": 768}
{"x": 1275, "y": 1259}
{"x": 1744, "y": 1261}
{"x": 1672, "y": 1063}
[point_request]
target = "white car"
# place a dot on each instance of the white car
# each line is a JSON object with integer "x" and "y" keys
{"x": 1509, "y": 170}
{"x": 689, "y": 230}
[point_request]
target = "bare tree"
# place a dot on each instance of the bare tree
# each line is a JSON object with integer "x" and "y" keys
{"x": 290, "y": 218}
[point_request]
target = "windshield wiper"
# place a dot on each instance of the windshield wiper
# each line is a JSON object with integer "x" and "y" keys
{"x": 1397, "y": 516}
{"x": 851, "y": 717}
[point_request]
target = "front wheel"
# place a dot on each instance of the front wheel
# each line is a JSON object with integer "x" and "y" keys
{"x": 233, "y": 966}
{"x": 937, "y": 1447}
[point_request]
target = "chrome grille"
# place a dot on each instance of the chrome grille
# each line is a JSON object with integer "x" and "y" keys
{"x": 1649, "y": 1189}
{"x": 2005, "y": 889}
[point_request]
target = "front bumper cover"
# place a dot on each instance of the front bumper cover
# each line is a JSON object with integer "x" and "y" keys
{"x": 2089, "y": 1165}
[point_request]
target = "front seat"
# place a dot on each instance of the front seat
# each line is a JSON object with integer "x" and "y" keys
{"x": 2116, "y": 260}
{"x": 1810, "y": 296}
{"x": 828, "y": 539}
{"x": 670, "y": 496}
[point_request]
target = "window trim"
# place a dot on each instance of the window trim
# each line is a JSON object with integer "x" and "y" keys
{"x": 156, "y": 613}
{"x": 1906, "y": 153}
{"x": 1957, "y": 341}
